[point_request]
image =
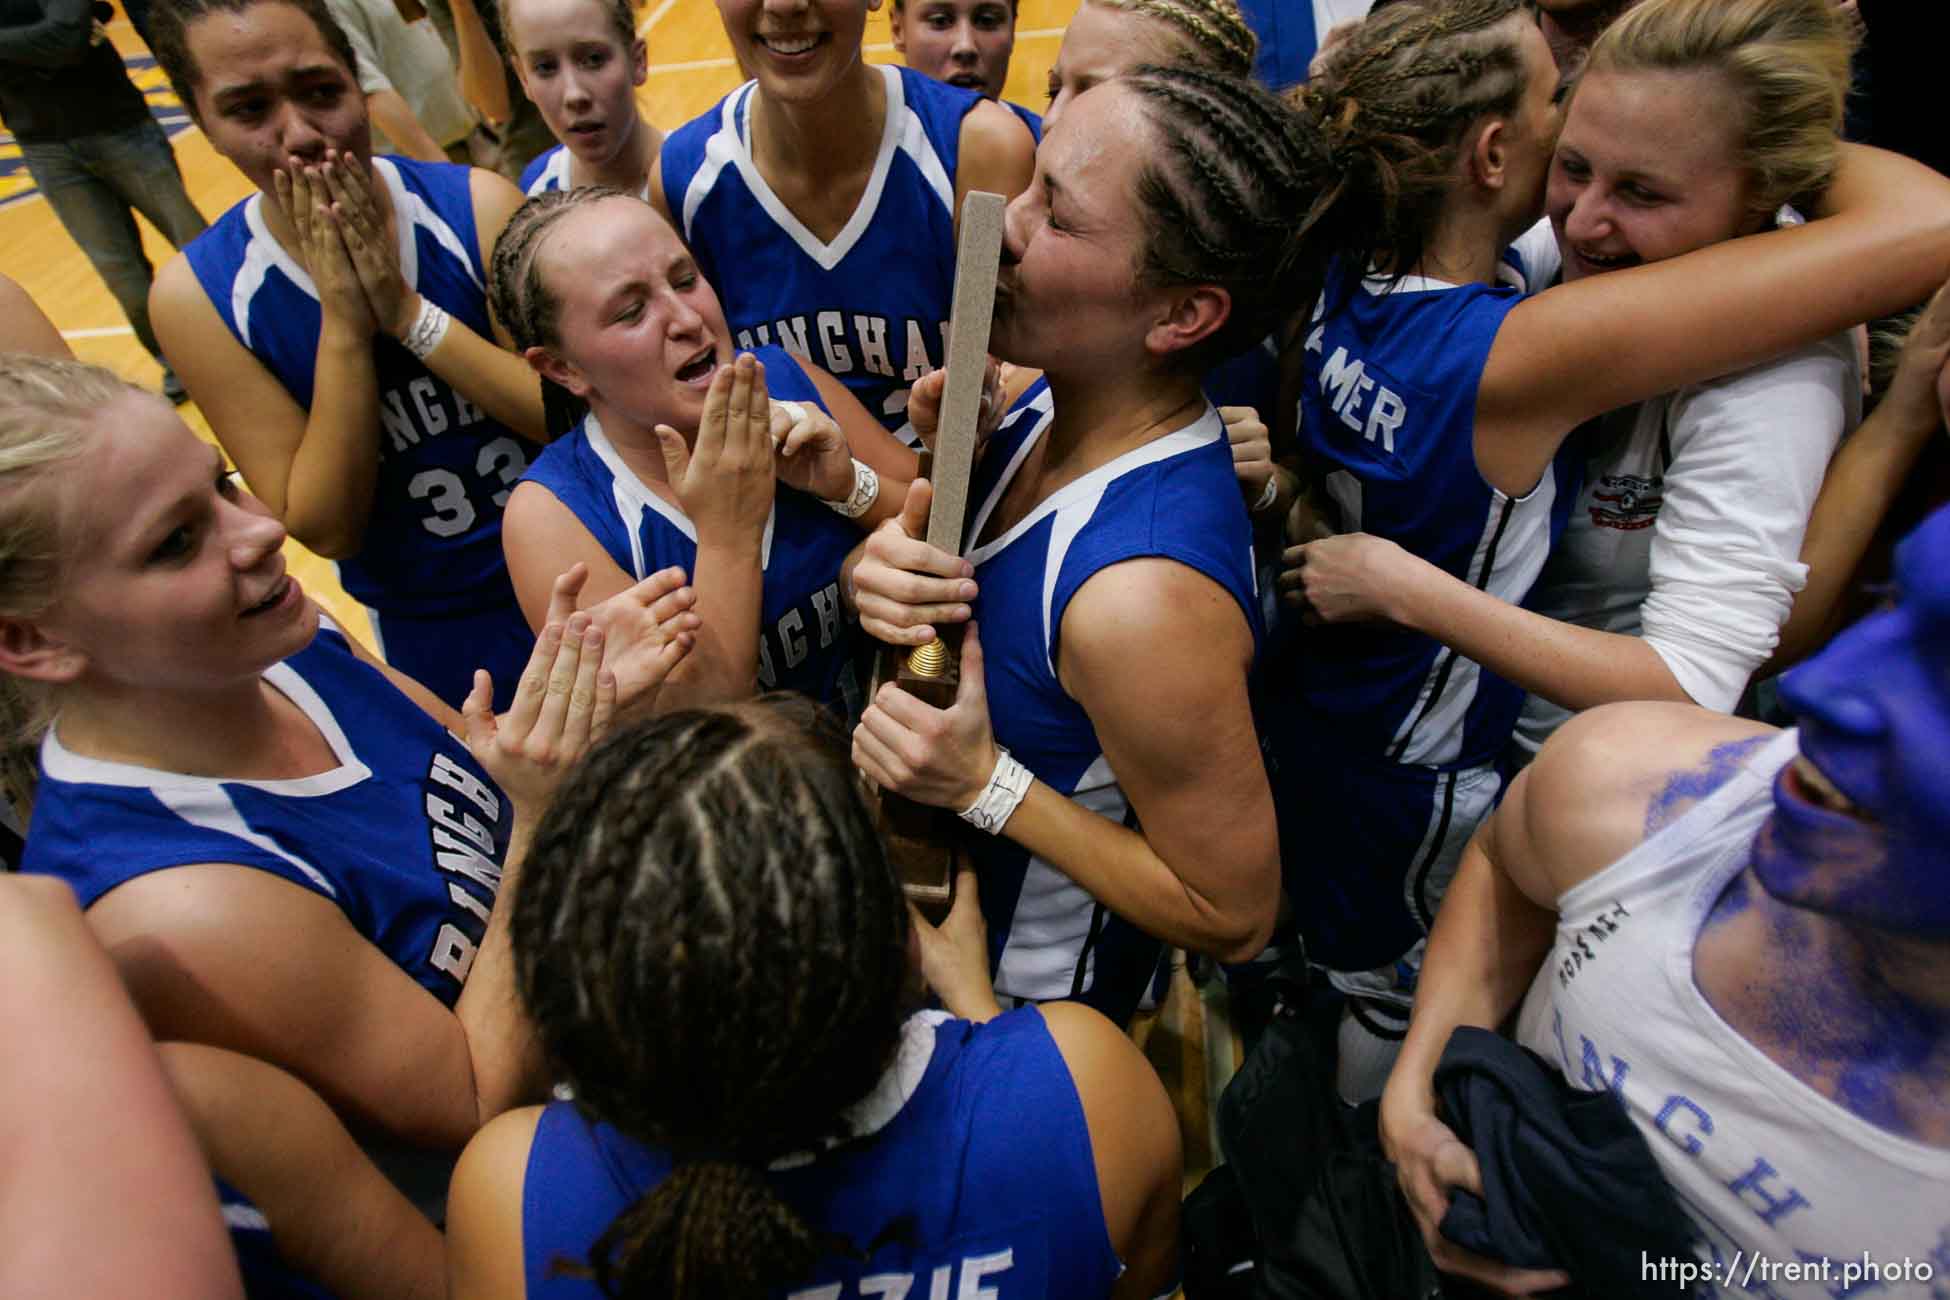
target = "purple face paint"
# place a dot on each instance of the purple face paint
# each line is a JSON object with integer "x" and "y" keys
{"x": 1874, "y": 712}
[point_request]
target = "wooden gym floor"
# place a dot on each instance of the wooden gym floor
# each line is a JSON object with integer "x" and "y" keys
{"x": 690, "y": 69}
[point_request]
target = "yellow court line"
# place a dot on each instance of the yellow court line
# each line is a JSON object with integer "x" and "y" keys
{"x": 656, "y": 16}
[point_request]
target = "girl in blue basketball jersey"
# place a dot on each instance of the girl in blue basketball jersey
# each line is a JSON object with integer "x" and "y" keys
{"x": 1103, "y": 735}
{"x": 288, "y": 849}
{"x": 581, "y": 61}
{"x": 1433, "y": 398}
{"x": 1108, "y": 38}
{"x": 675, "y": 463}
{"x": 334, "y": 329}
{"x": 719, "y": 962}
{"x": 820, "y": 198}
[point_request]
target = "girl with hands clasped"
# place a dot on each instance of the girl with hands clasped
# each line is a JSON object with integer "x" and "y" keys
{"x": 727, "y": 904}
{"x": 286, "y": 848}
{"x": 334, "y": 329}
{"x": 742, "y": 472}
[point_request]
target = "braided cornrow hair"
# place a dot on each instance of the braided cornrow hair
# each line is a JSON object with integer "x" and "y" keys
{"x": 521, "y": 301}
{"x": 1389, "y": 113}
{"x": 1219, "y": 196}
{"x": 1214, "y": 30}
{"x": 707, "y": 895}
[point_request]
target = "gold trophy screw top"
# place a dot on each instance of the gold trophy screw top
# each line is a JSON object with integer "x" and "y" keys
{"x": 931, "y": 660}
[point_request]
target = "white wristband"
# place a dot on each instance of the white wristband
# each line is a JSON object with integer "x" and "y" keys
{"x": 1270, "y": 495}
{"x": 429, "y": 327}
{"x": 1007, "y": 786}
{"x": 866, "y": 491}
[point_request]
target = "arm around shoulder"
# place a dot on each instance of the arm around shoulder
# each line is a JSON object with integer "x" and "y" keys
{"x": 1881, "y": 244}
{"x": 1134, "y": 1141}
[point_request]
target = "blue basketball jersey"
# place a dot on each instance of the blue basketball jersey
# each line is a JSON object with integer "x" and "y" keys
{"x": 550, "y": 171}
{"x": 433, "y": 544}
{"x": 806, "y": 633}
{"x": 407, "y": 834}
{"x": 1174, "y": 497}
{"x": 872, "y": 306}
{"x": 970, "y": 1174}
{"x": 547, "y": 171}
{"x": 1387, "y": 415}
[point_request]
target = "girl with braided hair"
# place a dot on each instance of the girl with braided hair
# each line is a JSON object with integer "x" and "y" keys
{"x": 1433, "y": 400}
{"x": 820, "y": 198}
{"x": 1103, "y": 735}
{"x": 719, "y": 963}
{"x": 1108, "y": 38}
{"x": 675, "y": 462}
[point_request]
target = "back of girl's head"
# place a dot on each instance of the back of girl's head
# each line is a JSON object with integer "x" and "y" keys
{"x": 519, "y": 294}
{"x": 47, "y": 407}
{"x": 1219, "y": 197}
{"x": 1390, "y": 112}
{"x": 620, "y": 13}
{"x": 1211, "y": 33}
{"x": 1786, "y": 61}
{"x": 714, "y": 952}
{"x": 170, "y": 22}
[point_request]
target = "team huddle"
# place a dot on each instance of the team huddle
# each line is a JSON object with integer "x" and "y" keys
{"x": 1395, "y": 497}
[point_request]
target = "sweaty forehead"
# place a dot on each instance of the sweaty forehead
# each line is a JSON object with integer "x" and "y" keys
{"x": 1105, "y": 127}
{"x": 251, "y": 43}
{"x": 603, "y": 242}
{"x": 1102, "y": 41}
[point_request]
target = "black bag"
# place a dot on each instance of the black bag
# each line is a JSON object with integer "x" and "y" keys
{"x": 1307, "y": 1207}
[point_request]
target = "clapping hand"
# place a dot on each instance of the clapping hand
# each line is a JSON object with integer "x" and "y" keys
{"x": 564, "y": 702}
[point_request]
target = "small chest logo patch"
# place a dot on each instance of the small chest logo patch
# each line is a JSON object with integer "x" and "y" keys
{"x": 1626, "y": 501}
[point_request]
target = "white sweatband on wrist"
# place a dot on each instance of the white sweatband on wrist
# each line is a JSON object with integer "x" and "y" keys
{"x": 1269, "y": 496}
{"x": 429, "y": 327}
{"x": 1007, "y": 786}
{"x": 866, "y": 491}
